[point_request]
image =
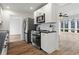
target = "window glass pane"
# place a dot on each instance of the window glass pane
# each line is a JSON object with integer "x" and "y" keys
{"x": 78, "y": 23}
{"x": 61, "y": 24}
{"x": 72, "y": 24}
{"x": 66, "y": 23}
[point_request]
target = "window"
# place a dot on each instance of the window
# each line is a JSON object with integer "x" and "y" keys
{"x": 66, "y": 25}
{"x": 78, "y": 26}
{"x": 62, "y": 26}
{"x": 72, "y": 26}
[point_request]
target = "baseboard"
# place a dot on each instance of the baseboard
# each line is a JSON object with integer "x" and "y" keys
{"x": 16, "y": 37}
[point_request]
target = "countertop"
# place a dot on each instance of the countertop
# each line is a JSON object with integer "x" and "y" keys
{"x": 46, "y": 31}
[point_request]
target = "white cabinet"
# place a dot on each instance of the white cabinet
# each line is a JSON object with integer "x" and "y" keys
{"x": 50, "y": 13}
{"x": 49, "y": 42}
{"x": 37, "y": 13}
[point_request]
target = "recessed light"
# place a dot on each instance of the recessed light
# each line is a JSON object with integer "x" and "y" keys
{"x": 31, "y": 8}
{"x": 7, "y": 7}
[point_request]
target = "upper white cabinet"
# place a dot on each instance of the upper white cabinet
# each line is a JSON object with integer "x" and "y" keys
{"x": 50, "y": 13}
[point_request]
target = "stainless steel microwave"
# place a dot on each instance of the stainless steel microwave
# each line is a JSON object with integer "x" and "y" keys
{"x": 41, "y": 19}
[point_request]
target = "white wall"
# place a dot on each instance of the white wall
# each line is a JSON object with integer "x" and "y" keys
{"x": 5, "y": 24}
{"x": 14, "y": 20}
{"x": 15, "y": 25}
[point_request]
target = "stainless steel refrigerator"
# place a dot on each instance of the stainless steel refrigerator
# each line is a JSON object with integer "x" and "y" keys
{"x": 28, "y": 24}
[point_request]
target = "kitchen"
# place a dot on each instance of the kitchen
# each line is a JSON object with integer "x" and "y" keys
{"x": 38, "y": 28}
{"x": 36, "y": 31}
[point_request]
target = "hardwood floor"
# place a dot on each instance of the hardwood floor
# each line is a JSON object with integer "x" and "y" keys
{"x": 69, "y": 45}
{"x": 22, "y": 48}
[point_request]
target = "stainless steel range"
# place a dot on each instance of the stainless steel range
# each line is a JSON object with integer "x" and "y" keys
{"x": 36, "y": 38}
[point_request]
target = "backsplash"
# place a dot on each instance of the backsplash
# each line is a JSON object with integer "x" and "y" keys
{"x": 46, "y": 26}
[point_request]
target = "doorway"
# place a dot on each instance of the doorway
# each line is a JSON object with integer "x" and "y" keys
{"x": 15, "y": 28}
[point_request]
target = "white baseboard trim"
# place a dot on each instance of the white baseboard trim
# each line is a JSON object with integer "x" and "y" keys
{"x": 14, "y": 38}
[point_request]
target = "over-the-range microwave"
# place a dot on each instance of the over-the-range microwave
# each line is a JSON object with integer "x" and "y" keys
{"x": 41, "y": 18}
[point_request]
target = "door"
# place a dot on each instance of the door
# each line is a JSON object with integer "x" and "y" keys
{"x": 15, "y": 27}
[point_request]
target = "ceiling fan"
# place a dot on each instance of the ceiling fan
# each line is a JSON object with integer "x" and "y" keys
{"x": 63, "y": 15}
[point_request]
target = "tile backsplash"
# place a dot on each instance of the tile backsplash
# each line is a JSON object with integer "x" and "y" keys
{"x": 46, "y": 26}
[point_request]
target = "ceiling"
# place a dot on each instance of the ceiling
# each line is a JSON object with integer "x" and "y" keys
{"x": 25, "y": 7}
{"x": 22, "y": 7}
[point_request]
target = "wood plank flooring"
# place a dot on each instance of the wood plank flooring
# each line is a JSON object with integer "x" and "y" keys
{"x": 22, "y": 48}
{"x": 69, "y": 45}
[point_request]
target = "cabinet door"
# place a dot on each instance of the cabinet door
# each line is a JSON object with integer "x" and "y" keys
{"x": 37, "y": 13}
{"x": 47, "y": 11}
{"x": 50, "y": 12}
{"x": 44, "y": 41}
{"x": 49, "y": 42}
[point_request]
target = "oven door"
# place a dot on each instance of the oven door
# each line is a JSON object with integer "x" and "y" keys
{"x": 37, "y": 40}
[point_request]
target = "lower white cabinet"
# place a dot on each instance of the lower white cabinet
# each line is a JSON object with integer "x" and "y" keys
{"x": 49, "y": 42}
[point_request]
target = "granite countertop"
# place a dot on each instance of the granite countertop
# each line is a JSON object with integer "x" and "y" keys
{"x": 46, "y": 31}
{"x": 36, "y": 34}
